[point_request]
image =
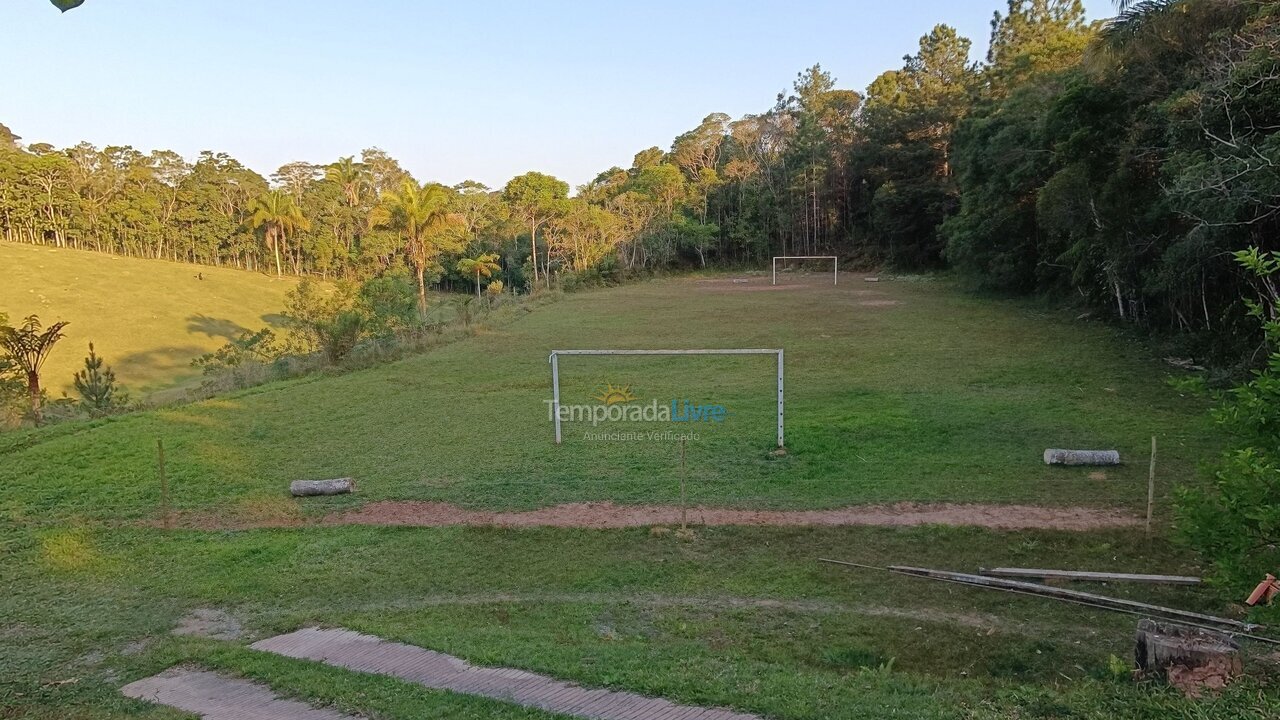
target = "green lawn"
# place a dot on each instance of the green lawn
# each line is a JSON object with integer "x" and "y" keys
{"x": 937, "y": 397}
{"x": 898, "y": 390}
{"x": 148, "y": 318}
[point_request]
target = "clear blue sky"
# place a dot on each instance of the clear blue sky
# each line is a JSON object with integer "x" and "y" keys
{"x": 480, "y": 90}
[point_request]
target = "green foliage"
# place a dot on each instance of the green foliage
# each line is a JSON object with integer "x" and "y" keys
{"x": 276, "y": 213}
{"x": 27, "y": 346}
{"x": 328, "y": 322}
{"x": 96, "y": 385}
{"x": 419, "y": 215}
{"x": 483, "y": 265}
{"x": 1236, "y": 522}
{"x": 12, "y": 385}
{"x": 247, "y": 347}
{"x": 335, "y": 322}
{"x": 388, "y": 303}
{"x": 909, "y": 119}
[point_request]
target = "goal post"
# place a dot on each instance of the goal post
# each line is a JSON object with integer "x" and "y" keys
{"x": 555, "y": 372}
{"x": 835, "y": 270}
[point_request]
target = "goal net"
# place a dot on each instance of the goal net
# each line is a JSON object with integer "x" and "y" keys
{"x": 835, "y": 265}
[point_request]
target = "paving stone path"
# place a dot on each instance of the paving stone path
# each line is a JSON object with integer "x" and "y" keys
{"x": 217, "y": 697}
{"x": 366, "y": 653}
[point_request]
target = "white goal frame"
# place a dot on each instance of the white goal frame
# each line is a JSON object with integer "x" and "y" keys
{"x": 835, "y": 272}
{"x": 555, "y": 372}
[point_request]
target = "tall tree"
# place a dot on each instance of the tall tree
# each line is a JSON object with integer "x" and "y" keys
{"x": 276, "y": 213}
{"x": 419, "y": 214}
{"x": 483, "y": 265}
{"x": 351, "y": 176}
{"x": 535, "y": 198}
{"x": 910, "y": 117}
{"x": 28, "y": 346}
{"x": 96, "y": 384}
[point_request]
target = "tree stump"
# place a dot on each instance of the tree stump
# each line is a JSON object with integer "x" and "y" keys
{"x": 1054, "y": 456}
{"x": 338, "y": 486}
{"x": 1191, "y": 659}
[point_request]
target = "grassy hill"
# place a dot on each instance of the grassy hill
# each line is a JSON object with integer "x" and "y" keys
{"x": 895, "y": 391}
{"x": 148, "y": 318}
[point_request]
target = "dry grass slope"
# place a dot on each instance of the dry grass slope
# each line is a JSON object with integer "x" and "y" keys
{"x": 148, "y": 318}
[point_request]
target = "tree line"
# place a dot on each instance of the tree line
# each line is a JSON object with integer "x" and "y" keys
{"x": 1114, "y": 164}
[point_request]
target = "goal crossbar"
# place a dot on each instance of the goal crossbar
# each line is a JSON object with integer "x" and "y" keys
{"x": 554, "y": 359}
{"x": 835, "y": 272}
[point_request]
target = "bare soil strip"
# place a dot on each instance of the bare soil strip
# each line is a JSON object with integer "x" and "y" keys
{"x": 217, "y": 697}
{"x": 366, "y": 653}
{"x": 606, "y": 515}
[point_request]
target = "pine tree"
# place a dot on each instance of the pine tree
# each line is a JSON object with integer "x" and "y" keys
{"x": 97, "y": 384}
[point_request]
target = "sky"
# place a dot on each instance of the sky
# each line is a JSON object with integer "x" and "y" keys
{"x": 461, "y": 90}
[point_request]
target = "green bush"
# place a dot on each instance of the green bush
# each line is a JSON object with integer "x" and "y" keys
{"x": 96, "y": 385}
{"x": 335, "y": 323}
{"x": 13, "y": 388}
{"x": 1235, "y": 523}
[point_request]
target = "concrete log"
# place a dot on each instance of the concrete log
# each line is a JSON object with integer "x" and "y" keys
{"x": 1054, "y": 456}
{"x": 338, "y": 486}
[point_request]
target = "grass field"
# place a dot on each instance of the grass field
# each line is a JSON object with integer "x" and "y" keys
{"x": 148, "y": 318}
{"x": 895, "y": 391}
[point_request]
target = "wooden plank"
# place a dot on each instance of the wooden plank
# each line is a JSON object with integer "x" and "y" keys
{"x": 1049, "y": 591}
{"x": 1089, "y": 576}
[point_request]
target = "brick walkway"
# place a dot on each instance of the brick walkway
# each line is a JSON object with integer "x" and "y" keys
{"x": 365, "y": 653}
{"x": 216, "y": 697}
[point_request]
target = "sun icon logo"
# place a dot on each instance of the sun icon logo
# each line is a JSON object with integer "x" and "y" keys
{"x": 611, "y": 395}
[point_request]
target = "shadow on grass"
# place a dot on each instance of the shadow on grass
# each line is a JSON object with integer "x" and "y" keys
{"x": 210, "y": 327}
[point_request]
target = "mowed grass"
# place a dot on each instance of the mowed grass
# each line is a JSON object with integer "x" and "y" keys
{"x": 148, "y": 318}
{"x": 894, "y": 391}
{"x": 901, "y": 390}
{"x": 741, "y": 617}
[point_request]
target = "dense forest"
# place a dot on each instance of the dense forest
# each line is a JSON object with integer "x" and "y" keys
{"x": 1116, "y": 165}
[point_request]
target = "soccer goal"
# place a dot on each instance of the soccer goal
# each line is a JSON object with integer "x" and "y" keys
{"x": 555, "y": 372}
{"x": 835, "y": 265}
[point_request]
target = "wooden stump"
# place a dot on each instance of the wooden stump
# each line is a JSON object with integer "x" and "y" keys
{"x": 339, "y": 486}
{"x": 1054, "y": 456}
{"x": 1191, "y": 659}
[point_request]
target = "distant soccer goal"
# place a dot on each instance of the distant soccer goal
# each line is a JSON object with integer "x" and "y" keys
{"x": 835, "y": 265}
{"x": 555, "y": 372}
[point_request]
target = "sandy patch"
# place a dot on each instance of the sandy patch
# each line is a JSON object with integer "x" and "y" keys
{"x": 210, "y": 623}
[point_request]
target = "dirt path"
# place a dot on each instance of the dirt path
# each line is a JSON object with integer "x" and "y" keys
{"x": 606, "y": 515}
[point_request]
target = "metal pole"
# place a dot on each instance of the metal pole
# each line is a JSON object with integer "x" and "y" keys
{"x": 780, "y": 443}
{"x": 555, "y": 392}
{"x": 835, "y": 277}
{"x": 775, "y": 271}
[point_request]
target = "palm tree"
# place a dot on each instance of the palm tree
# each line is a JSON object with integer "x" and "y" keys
{"x": 484, "y": 264}
{"x": 28, "y": 347}
{"x": 351, "y": 176}
{"x": 278, "y": 215}
{"x": 420, "y": 215}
